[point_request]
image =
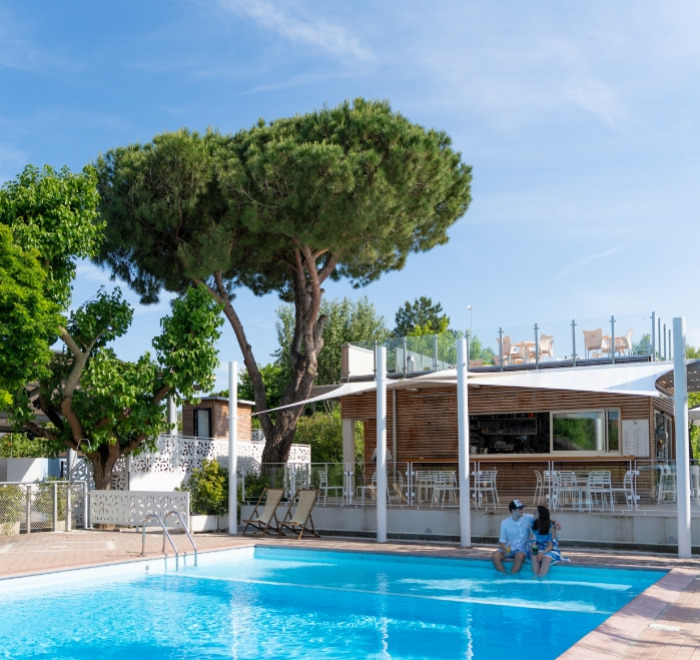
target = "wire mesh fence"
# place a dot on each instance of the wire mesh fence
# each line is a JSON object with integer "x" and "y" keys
{"x": 48, "y": 505}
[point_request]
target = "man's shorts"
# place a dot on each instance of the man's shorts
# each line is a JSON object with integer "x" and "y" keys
{"x": 513, "y": 551}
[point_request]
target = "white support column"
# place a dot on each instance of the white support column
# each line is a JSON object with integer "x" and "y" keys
{"x": 172, "y": 416}
{"x": 680, "y": 388}
{"x": 381, "y": 444}
{"x": 465, "y": 533}
{"x": 232, "y": 448}
{"x": 348, "y": 460}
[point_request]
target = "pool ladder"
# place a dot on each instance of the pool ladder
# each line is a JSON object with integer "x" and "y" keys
{"x": 161, "y": 522}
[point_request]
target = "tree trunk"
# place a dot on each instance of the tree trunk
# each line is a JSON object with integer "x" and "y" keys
{"x": 103, "y": 461}
{"x": 306, "y": 346}
{"x": 279, "y": 444}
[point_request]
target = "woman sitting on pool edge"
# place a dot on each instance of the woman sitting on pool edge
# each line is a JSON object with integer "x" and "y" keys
{"x": 545, "y": 549}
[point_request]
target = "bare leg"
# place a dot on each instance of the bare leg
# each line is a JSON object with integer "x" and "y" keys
{"x": 546, "y": 563}
{"x": 518, "y": 562}
{"x": 497, "y": 559}
{"x": 536, "y": 565}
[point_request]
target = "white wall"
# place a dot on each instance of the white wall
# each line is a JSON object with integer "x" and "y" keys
{"x": 629, "y": 529}
{"x": 24, "y": 469}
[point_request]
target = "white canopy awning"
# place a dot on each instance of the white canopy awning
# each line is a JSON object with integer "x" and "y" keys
{"x": 638, "y": 379}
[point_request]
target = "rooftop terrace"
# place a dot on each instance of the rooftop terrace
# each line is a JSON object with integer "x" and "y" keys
{"x": 637, "y": 337}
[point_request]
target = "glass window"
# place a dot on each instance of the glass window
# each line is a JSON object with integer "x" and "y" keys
{"x": 578, "y": 431}
{"x": 613, "y": 431}
{"x": 202, "y": 422}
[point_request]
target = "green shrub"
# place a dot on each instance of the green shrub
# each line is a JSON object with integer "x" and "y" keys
{"x": 43, "y": 500}
{"x": 254, "y": 486}
{"x": 208, "y": 487}
{"x": 11, "y": 504}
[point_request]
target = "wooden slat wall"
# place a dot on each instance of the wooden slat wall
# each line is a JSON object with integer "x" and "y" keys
{"x": 219, "y": 419}
{"x": 427, "y": 419}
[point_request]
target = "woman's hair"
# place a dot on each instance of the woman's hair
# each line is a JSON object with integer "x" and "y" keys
{"x": 543, "y": 522}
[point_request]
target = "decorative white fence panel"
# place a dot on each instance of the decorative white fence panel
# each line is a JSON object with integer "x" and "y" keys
{"x": 179, "y": 455}
{"x": 119, "y": 507}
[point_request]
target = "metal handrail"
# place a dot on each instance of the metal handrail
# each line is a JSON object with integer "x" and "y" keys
{"x": 165, "y": 533}
{"x": 184, "y": 526}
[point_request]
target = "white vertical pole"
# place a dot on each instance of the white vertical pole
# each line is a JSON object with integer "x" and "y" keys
{"x": 680, "y": 388}
{"x": 172, "y": 416}
{"x": 465, "y": 532}
{"x": 348, "y": 460}
{"x": 381, "y": 444}
{"x": 232, "y": 448}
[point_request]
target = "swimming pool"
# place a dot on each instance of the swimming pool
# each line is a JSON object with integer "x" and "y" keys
{"x": 289, "y": 603}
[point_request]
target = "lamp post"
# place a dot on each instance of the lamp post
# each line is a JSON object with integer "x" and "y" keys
{"x": 469, "y": 332}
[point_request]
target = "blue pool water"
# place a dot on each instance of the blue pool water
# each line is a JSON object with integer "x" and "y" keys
{"x": 279, "y": 603}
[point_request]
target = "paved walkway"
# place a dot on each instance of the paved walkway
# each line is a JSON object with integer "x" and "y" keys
{"x": 663, "y": 622}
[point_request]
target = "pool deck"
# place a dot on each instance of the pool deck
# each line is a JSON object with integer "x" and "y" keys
{"x": 663, "y": 622}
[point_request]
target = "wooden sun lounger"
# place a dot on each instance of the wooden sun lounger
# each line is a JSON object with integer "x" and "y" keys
{"x": 266, "y": 522}
{"x": 300, "y": 520}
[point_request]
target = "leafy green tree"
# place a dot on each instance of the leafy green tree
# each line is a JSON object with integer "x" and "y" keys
{"x": 477, "y": 351}
{"x": 275, "y": 380}
{"x": 94, "y": 402}
{"x": 54, "y": 214}
{"x": 29, "y": 321}
{"x": 644, "y": 345}
{"x": 421, "y": 317}
{"x": 18, "y": 445}
{"x": 323, "y": 432}
{"x": 47, "y": 222}
{"x": 693, "y": 353}
{"x": 108, "y": 408}
{"x": 282, "y": 207}
{"x": 346, "y": 322}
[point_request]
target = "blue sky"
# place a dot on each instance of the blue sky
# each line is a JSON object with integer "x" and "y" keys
{"x": 579, "y": 119}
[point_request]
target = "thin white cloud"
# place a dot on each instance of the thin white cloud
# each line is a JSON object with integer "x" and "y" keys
{"x": 586, "y": 260}
{"x": 85, "y": 271}
{"x": 293, "y": 23}
{"x": 12, "y": 162}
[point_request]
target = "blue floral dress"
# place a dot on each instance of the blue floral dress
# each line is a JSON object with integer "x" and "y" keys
{"x": 543, "y": 541}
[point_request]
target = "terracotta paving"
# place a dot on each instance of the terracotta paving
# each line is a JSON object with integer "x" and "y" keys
{"x": 663, "y": 622}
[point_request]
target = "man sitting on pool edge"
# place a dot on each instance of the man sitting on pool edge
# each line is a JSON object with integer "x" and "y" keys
{"x": 514, "y": 539}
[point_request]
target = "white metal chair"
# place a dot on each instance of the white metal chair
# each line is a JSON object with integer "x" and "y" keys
{"x": 371, "y": 490}
{"x": 600, "y": 485}
{"x": 425, "y": 485}
{"x": 667, "y": 484}
{"x": 324, "y": 487}
{"x": 539, "y": 488}
{"x": 445, "y": 487}
{"x": 397, "y": 494}
{"x": 570, "y": 491}
{"x": 484, "y": 488}
{"x": 551, "y": 488}
{"x": 629, "y": 489}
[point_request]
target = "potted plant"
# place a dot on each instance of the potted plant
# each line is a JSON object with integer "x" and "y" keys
{"x": 11, "y": 509}
{"x": 208, "y": 488}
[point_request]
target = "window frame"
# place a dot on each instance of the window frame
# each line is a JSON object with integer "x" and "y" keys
{"x": 606, "y": 417}
{"x": 195, "y": 422}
